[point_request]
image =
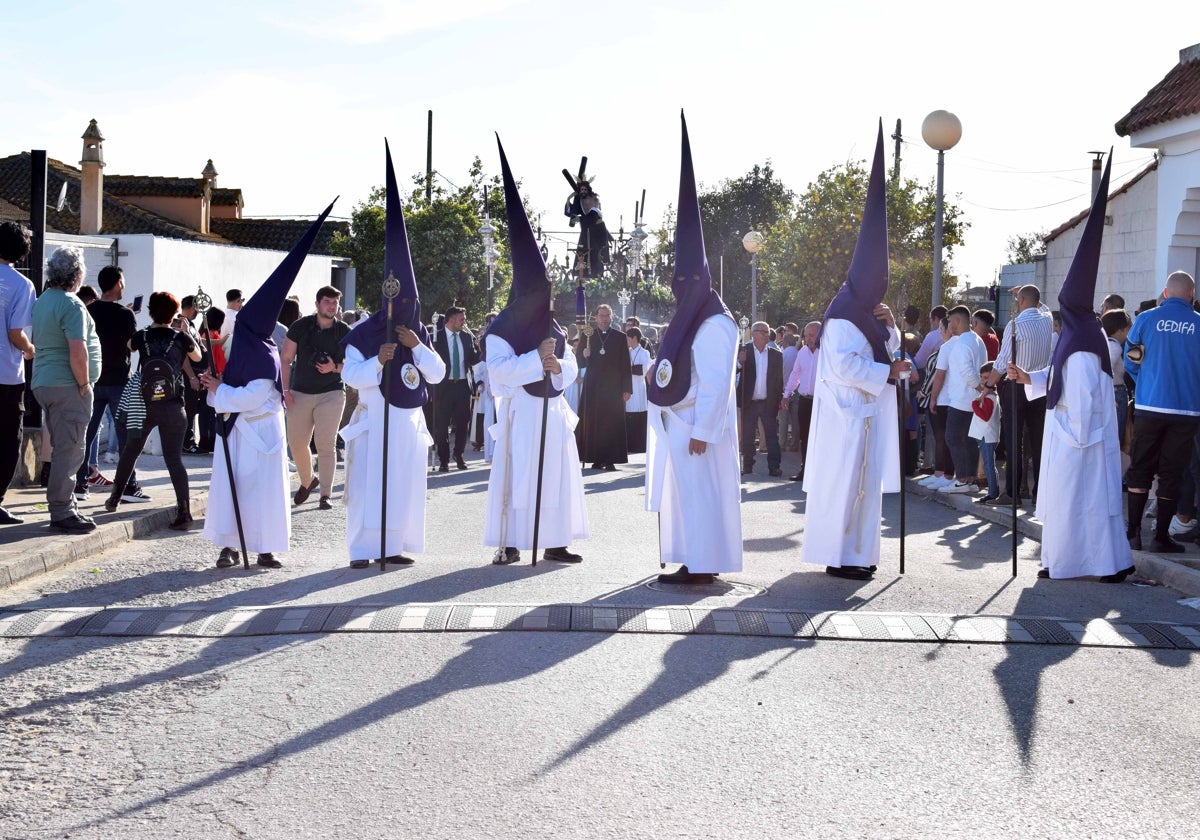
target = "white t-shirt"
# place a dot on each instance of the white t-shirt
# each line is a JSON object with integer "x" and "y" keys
{"x": 961, "y": 357}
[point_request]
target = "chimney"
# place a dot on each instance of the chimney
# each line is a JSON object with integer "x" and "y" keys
{"x": 91, "y": 202}
{"x": 210, "y": 183}
{"x": 1191, "y": 53}
{"x": 1097, "y": 160}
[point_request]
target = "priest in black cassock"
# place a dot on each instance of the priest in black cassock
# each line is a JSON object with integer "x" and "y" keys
{"x": 606, "y": 389}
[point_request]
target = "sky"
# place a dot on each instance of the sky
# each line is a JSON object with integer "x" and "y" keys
{"x": 292, "y": 100}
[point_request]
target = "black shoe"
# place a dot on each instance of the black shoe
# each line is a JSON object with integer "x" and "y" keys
{"x": 775, "y": 473}
{"x": 798, "y": 476}
{"x": 562, "y": 555}
{"x": 444, "y": 468}
{"x": 1165, "y": 545}
{"x": 229, "y": 557}
{"x": 1117, "y": 577}
{"x": 610, "y": 467}
{"x": 510, "y": 555}
{"x": 746, "y": 471}
{"x": 399, "y": 560}
{"x": 110, "y": 504}
{"x": 44, "y": 475}
{"x": 459, "y": 462}
{"x": 850, "y": 572}
{"x": 1135, "y": 540}
{"x": 7, "y": 518}
{"x": 191, "y": 449}
{"x": 359, "y": 564}
{"x": 75, "y": 524}
{"x": 81, "y": 492}
{"x": 682, "y": 575}
{"x": 597, "y": 466}
{"x": 1044, "y": 574}
{"x": 325, "y": 504}
{"x": 303, "y": 493}
{"x": 183, "y": 518}
{"x": 268, "y": 561}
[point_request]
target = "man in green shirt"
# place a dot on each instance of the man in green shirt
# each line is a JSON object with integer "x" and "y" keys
{"x": 66, "y": 365}
{"x": 313, "y": 392}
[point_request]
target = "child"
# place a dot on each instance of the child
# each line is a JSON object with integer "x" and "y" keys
{"x": 985, "y": 427}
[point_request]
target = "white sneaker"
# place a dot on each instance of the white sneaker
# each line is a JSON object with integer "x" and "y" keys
{"x": 291, "y": 466}
{"x": 930, "y": 480}
{"x": 1179, "y": 529}
{"x": 110, "y": 458}
{"x": 957, "y": 487}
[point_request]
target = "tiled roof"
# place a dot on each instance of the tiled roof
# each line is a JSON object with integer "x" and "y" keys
{"x": 158, "y": 185}
{"x": 1177, "y": 95}
{"x": 1079, "y": 217}
{"x": 222, "y": 196}
{"x": 119, "y": 215}
{"x": 275, "y": 234}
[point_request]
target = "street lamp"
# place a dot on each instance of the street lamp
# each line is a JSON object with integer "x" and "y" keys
{"x": 752, "y": 242}
{"x": 941, "y": 130}
{"x": 490, "y": 255}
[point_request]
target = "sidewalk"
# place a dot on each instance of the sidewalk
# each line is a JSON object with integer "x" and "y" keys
{"x": 1181, "y": 572}
{"x": 33, "y": 547}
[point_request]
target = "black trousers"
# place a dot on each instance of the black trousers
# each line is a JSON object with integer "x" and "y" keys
{"x": 805, "y": 404}
{"x": 12, "y": 410}
{"x": 453, "y": 411}
{"x": 168, "y": 418}
{"x": 1162, "y": 446}
{"x": 1025, "y": 415}
{"x": 768, "y": 412}
{"x": 191, "y": 404}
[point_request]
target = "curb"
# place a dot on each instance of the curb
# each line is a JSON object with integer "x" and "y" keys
{"x": 71, "y": 548}
{"x": 1180, "y": 576}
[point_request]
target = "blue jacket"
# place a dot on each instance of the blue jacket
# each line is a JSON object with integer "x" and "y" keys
{"x": 1168, "y": 376}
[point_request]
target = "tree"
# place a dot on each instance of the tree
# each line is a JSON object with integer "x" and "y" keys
{"x": 809, "y": 249}
{"x": 1026, "y": 247}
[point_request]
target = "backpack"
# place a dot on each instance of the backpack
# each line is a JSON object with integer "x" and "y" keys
{"x": 160, "y": 378}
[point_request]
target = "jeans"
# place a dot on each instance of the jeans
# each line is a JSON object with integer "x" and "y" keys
{"x": 65, "y": 413}
{"x": 12, "y": 410}
{"x": 988, "y": 451}
{"x": 941, "y": 461}
{"x": 962, "y": 449}
{"x": 169, "y": 418}
{"x": 107, "y": 396}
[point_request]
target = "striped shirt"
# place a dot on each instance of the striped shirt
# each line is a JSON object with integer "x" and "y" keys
{"x": 1035, "y": 331}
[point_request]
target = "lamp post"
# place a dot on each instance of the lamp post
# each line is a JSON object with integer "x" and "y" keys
{"x": 752, "y": 242}
{"x": 490, "y": 254}
{"x": 941, "y": 130}
{"x": 637, "y": 241}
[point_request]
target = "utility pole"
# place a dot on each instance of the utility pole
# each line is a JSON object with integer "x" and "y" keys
{"x": 429, "y": 161}
{"x": 896, "y": 167}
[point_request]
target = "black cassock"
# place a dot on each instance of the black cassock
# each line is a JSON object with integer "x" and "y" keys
{"x": 601, "y": 430}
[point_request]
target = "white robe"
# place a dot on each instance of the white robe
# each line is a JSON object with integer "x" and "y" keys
{"x": 853, "y": 448}
{"x": 485, "y": 405}
{"x": 637, "y": 402}
{"x": 408, "y": 441}
{"x": 517, "y": 433}
{"x": 698, "y": 497}
{"x": 258, "y": 451}
{"x": 1079, "y": 492}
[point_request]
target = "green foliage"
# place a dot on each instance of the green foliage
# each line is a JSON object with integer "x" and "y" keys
{"x": 1025, "y": 247}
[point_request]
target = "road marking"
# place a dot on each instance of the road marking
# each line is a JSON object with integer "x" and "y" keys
{"x": 439, "y": 618}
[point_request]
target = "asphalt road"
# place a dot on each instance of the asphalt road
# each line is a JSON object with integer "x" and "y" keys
{"x": 584, "y": 734}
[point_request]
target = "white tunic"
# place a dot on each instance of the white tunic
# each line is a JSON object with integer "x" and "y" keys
{"x": 853, "y": 449}
{"x": 638, "y": 356}
{"x": 258, "y": 453}
{"x": 512, "y": 484}
{"x": 698, "y": 497}
{"x": 485, "y": 405}
{"x": 1079, "y": 492}
{"x": 408, "y": 440}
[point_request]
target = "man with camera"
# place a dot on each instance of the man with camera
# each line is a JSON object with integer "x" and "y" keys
{"x": 313, "y": 392}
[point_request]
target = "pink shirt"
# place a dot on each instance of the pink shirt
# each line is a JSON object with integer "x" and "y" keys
{"x": 804, "y": 374}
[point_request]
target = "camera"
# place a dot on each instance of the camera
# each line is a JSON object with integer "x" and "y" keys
{"x": 320, "y": 358}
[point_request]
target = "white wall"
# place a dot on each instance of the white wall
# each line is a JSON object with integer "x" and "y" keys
{"x": 1179, "y": 170}
{"x": 1127, "y": 252}
{"x": 156, "y": 264}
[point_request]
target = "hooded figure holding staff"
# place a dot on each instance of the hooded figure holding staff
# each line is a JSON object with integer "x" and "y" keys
{"x": 392, "y": 373}
{"x": 854, "y": 443}
{"x": 1080, "y": 501}
{"x": 523, "y": 344}
{"x": 692, "y": 473}
{"x": 254, "y": 502}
